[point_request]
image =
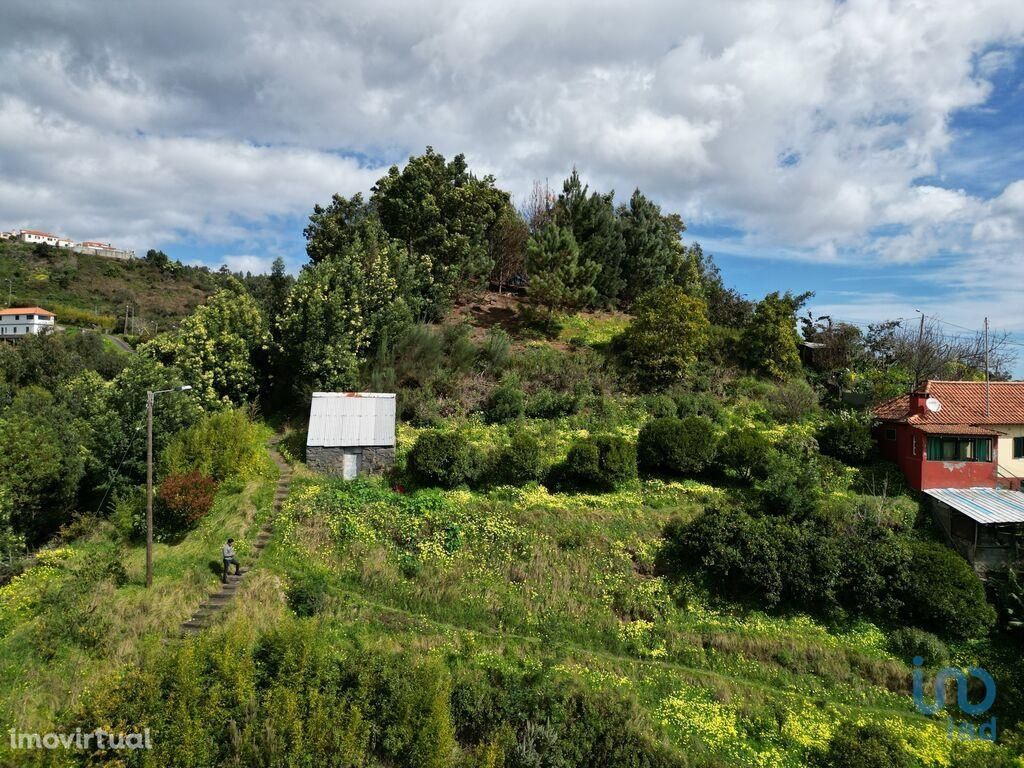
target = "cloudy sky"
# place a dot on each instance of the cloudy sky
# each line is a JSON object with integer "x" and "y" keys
{"x": 870, "y": 151}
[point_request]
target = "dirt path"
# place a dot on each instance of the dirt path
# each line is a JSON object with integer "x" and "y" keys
{"x": 218, "y": 599}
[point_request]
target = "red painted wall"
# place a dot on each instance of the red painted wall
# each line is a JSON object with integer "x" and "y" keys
{"x": 922, "y": 474}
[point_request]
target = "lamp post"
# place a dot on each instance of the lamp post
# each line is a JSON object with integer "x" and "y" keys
{"x": 150, "y": 397}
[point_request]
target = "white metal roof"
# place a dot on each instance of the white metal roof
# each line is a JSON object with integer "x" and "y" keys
{"x": 351, "y": 419}
{"x": 985, "y": 505}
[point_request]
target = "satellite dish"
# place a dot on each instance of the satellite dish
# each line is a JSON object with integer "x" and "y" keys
{"x": 933, "y": 405}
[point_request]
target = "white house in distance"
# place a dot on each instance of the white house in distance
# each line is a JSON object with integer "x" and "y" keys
{"x": 351, "y": 433}
{"x": 20, "y": 321}
{"x": 95, "y": 248}
{"x": 34, "y": 236}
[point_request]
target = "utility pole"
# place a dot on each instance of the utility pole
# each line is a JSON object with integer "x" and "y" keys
{"x": 920, "y": 341}
{"x": 126, "y": 318}
{"x": 988, "y": 384}
{"x": 150, "y": 397}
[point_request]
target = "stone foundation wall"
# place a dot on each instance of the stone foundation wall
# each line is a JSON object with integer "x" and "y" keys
{"x": 331, "y": 461}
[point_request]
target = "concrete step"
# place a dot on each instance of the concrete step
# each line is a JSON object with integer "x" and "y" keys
{"x": 193, "y": 626}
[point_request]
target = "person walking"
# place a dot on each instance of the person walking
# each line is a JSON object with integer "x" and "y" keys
{"x": 228, "y": 553}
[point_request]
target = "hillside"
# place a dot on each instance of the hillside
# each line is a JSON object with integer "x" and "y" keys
{"x": 62, "y": 280}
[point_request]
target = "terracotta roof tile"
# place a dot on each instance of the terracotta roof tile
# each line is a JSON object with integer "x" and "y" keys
{"x": 26, "y": 311}
{"x": 963, "y": 402}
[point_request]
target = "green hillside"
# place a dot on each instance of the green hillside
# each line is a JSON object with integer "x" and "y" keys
{"x": 79, "y": 287}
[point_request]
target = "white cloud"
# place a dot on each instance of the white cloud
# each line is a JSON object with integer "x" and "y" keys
{"x": 257, "y": 265}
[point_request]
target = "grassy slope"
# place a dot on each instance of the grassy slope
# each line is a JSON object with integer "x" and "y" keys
{"x": 42, "y": 670}
{"x": 566, "y": 580}
{"x": 96, "y": 284}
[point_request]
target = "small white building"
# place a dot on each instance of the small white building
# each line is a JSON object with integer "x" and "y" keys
{"x": 351, "y": 433}
{"x": 21, "y": 321}
{"x": 34, "y": 236}
{"x": 95, "y": 248}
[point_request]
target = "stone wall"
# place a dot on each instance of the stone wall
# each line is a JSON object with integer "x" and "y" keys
{"x": 331, "y": 461}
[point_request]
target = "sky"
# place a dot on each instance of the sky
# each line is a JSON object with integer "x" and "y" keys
{"x": 869, "y": 151}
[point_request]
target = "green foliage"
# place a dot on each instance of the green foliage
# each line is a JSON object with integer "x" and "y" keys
{"x": 865, "y": 746}
{"x": 661, "y": 406}
{"x": 548, "y": 404}
{"x": 792, "y": 400}
{"x": 442, "y": 211}
{"x": 445, "y": 459}
{"x": 218, "y": 348}
{"x": 682, "y": 447}
{"x": 496, "y": 348}
{"x": 669, "y": 331}
{"x": 769, "y": 342}
{"x": 846, "y": 435}
{"x": 654, "y": 254}
{"x": 908, "y": 642}
{"x": 221, "y": 445}
{"x": 698, "y": 404}
{"x": 520, "y": 462}
{"x": 743, "y": 454}
{"x": 307, "y": 592}
{"x": 789, "y": 483}
{"x": 603, "y": 462}
{"x": 505, "y": 403}
{"x": 559, "y": 277}
{"x": 181, "y": 502}
{"x": 945, "y": 594}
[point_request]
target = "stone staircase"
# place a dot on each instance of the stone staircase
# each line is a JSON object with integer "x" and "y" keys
{"x": 209, "y": 608}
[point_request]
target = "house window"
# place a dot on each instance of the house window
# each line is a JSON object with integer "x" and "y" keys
{"x": 890, "y": 434}
{"x": 959, "y": 449}
{"x": 1018, "y": 447}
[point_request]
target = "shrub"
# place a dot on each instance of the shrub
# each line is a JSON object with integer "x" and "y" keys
{"x": 661, "y": 406}
{"x": 495, "y": 348}
{"x": 943, "y": 594}
{"x": 676, "y": 446}
{"x": 908, "y": 642}
{"x": 444, "y": 459}
{"x": 698, "y": 404}
{"x": 743, "y": 454}
{"x": 520, "y": 462}
{"x": 600, "y": 463}
{"x": 865, "y": 746}
{"x": 789, "y": 485}
{"x": 792, "y": 401}
{"x": 506, "y": 403}
{"x": 220, "y": 445}
{"x": 548, "y": 404}
{"x": 307, "y": 593}
{"x": 846, "y": 435}
{"x": 183, "y": 500}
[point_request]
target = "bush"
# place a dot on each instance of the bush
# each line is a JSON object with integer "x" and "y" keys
{"x": 548, "y": 404}
{"x": 792, "y": 401}
{"x": 943, "y": 594}
{"x": 789, "y": 484}
{"x": 661, "y": 406}
{"x": 495, "y": 348}
{"x": 444, "y": 459}
{"x": 743, "y": 454}
{"x": 506, "y": 403}
{"x": 600, "y": 463}
{"x": 865, "y": 746}
{"x": 183, "y": 500}
{"x": 307, "y": 593}
{"x": 846, "y": 435}
{"x": 908, "y": 642}
{"x": 698, "y": 404}
{"x": 221, "y": 445}
{"x": 676, "y": 446}
{"x": 520, "y": 462}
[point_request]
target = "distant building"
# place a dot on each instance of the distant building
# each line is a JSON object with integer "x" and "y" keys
{"x": 21, "y": 321}
{"x": 34, "y": 236}
{"x": 351, "y": 433}
{"x": 94, "y": 248}
{"x": 6, "y": 235}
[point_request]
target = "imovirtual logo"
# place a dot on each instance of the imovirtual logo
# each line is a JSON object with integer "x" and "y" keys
{"x": 966, "y": 730}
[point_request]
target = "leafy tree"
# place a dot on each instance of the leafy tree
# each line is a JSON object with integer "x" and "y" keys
{"x": 943, "y": 593}
{"x": 653, "y": 251}
{"x": 219, "y": 348}
{"x": 440, "y": 210}
{"x": 676, "y": 446}
{"x": 769, "y": 341}
{"x": 511, "y": 235}
{"x": 596, "y": 229}
{"x": 158, "y": 259}
{"x": 559, "y": 277}
{"x": 339, "y": 226}
{"x": 846, "y": 435}
{"x": 669, "y": 331}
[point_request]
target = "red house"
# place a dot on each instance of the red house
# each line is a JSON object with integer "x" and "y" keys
{"x": 956, "y": 434}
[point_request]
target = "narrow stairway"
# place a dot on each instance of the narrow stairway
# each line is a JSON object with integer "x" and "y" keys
{"x": 210, "y": 607}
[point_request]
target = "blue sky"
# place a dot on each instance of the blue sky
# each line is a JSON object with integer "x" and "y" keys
{"x": 867, "y": 150}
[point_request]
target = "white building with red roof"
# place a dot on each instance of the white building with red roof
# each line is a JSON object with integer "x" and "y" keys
{"x": 22, "y": 321}
{"x": 34, "y": 236}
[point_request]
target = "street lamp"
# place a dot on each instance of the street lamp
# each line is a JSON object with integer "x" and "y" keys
{"x": 150, "y": 397}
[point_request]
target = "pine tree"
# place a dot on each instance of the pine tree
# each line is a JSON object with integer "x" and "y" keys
{"x": 559, "y": 277}
{"x": 653, "y": 247}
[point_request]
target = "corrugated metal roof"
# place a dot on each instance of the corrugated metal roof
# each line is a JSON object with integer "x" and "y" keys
{"x": 351, "y": 419}
{"x": 986, "y": 505}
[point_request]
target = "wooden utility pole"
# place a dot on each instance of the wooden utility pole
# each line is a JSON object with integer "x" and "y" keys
{"x": 149, "y": 489}
{"x": 988, "y": 383}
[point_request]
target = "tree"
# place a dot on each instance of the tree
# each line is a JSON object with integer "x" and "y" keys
{"x": 334, "y": 229}
{"x": 653, "y": 250}
{"x": 769, "y": 341}
{"x": 669, "y": 331}
{"x": 594, "y": 224}
{"x": 559, "y": 278}
{"x": 219, "y": 348}
{"x": 158, "y": 259}
{"x": 440, "y": 210}
{"x": 511, "y": 235}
